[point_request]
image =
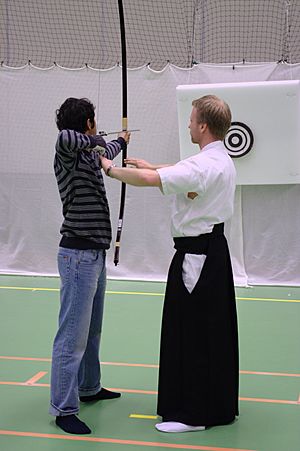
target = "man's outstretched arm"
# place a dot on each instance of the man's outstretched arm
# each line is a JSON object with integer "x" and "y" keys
{"x": 131, "y": 176}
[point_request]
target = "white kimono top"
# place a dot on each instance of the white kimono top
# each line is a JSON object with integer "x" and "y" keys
{"x": 211, "y": 175}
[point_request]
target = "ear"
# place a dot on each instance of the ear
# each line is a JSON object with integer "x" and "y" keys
{"x": 203, "y": 127}
{"x": 89, "y": 124}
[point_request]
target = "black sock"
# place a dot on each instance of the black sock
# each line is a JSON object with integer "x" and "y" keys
{"x": 102, "y": 394}
{"x": 72, "y": 425}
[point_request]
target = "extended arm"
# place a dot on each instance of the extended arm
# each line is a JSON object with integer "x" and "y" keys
{"x": 131, "y": 176}
{"x": 143, "y": 164}
{"x": 69, "y": 142}
{"x": 114, "y": 147}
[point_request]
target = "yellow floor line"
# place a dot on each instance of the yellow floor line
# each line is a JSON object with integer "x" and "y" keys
{"x": 143, "y": 417}
{"x": 268, "y": 299}
{"x": 138, "y": 293}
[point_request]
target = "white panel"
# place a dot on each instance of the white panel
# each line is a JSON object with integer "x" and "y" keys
{"x": 271, "y": 110}
{"x": 30, "y": 209}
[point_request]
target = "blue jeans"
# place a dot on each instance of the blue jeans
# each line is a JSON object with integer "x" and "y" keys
{"x": 75, "y": 357}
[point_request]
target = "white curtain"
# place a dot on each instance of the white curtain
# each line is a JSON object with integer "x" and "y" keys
{"x": 262, "y": 235}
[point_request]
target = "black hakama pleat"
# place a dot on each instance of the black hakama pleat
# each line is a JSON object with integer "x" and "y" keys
{"x": 199, "y": 374}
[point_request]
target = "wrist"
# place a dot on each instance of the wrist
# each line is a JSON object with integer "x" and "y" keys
{"x": 108, "y": 170}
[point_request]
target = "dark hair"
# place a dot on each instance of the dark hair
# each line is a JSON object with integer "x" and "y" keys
{"x": 215, "y": 113}
{"x": 74, "y": 113}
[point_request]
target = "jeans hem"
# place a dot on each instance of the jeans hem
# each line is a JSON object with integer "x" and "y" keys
{"x": 56, "y": 412}
{"x": 89, "y": 391}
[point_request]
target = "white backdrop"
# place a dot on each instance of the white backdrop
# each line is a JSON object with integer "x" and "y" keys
{"x": 250, "y": 105}
{"x": 263, "y": 233}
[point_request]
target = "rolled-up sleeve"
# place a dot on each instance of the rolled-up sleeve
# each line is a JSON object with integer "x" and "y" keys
{"x": 183, "y": 177}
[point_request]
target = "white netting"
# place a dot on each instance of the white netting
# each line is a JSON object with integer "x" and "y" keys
{"x": 74, "y": 33}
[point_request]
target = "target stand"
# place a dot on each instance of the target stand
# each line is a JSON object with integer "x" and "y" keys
{"x": 264, "y": 137}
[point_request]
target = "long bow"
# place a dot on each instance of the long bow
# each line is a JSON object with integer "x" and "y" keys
{"x": 124, "y": 127}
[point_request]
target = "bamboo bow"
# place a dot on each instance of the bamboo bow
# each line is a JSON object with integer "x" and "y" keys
{"x": 124, "y": 127}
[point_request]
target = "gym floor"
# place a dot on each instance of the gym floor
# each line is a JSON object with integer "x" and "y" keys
{"x": 269, "y": 371}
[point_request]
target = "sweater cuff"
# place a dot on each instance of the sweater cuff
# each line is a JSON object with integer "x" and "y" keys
{"x": 122, "y": 142}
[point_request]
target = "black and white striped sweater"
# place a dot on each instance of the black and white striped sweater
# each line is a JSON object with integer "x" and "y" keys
{"x": 78, "y": 173}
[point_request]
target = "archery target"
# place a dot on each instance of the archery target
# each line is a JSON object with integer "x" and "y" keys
{"x": 239, "y": 140}
{"x": 264, "y": 137}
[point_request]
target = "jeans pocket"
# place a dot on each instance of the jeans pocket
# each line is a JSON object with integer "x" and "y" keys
{"x": 64, "y": 264}
{"x": 89, "y": 256}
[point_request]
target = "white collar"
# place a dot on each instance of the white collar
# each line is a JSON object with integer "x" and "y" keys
{"x": 214, "y": 144}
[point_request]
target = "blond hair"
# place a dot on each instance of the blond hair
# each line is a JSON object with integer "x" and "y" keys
{"x": 214, "y": 112}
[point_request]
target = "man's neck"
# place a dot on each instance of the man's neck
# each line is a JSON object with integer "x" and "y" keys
{"x": 207, "y": 140}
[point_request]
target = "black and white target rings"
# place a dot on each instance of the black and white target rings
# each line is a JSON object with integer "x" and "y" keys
{"x": 238, "y": 140}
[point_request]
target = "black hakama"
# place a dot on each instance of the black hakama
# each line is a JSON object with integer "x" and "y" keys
{"x": 199, "y": 374}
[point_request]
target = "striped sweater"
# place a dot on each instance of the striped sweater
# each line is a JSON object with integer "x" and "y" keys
{"x": 78, "y": 173}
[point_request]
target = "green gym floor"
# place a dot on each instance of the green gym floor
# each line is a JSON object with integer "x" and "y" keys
{"x": 269, "y": 330}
